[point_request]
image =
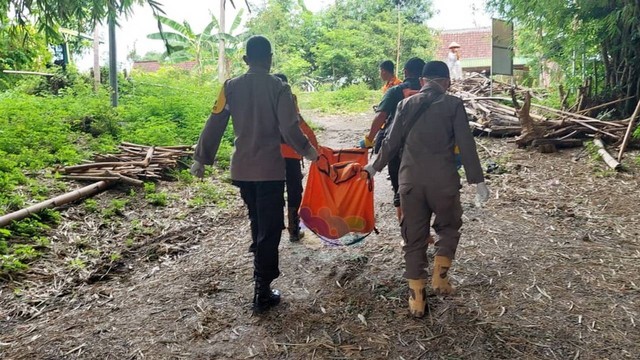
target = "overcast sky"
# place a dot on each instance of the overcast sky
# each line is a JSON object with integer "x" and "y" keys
{"x": 450, "y": 14}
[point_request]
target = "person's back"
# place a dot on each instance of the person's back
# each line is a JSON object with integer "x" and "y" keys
{"x": 432, "y": 140}
{"x": 263, "y": 113}
{"x": 251, "y": 96}
{"x": 426, "y": 130}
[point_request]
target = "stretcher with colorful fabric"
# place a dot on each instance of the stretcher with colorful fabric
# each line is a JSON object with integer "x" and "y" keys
{"x": 337, "y": 204}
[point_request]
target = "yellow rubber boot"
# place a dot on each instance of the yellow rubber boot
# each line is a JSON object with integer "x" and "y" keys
{"x": 440, "y": 278}
{"x": 417, "y": 297}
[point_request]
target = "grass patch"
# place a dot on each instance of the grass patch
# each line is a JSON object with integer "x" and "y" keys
{"x": 347, "y": 100}
{"x": 207, "y": 194}
{"x": 153, "y": 197}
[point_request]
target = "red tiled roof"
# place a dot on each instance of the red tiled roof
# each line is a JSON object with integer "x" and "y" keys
{"x": 153, "y": 66}
{"x": 146, "y": 66}
{"x": 186, "y": 65}
{"x": 474, "y": 43}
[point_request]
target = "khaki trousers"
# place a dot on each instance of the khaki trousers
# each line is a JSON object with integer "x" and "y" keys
{"x": 419, "y": 203}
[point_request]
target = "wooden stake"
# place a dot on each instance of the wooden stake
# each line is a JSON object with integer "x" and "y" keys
{"x": 625, "y": 140}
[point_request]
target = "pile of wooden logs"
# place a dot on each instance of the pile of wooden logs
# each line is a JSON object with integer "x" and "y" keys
{"x": 498, "y": 112}
{"x": 132, "y": 165}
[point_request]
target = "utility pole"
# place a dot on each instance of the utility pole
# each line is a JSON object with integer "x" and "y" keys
{"x": 221, "y": 55}
{"x": 113, "y": 67}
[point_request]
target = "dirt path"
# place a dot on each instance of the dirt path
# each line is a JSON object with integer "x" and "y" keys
{"x": 548, "y": 269}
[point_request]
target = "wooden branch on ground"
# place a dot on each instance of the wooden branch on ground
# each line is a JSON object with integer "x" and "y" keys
{"x": 586, "y": 111}
{"x": 608, "y": 159}
{"x": 530, "y": 130}
{"x": 56, "y": 201}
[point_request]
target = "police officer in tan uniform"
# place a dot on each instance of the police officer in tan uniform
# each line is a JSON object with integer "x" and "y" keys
{"x": 263, "y": 114}
{"x": 426, "y": 128}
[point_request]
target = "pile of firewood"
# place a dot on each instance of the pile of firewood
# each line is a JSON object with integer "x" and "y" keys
{"x": 132, "y": 165}
{"x": 499, "y": 112}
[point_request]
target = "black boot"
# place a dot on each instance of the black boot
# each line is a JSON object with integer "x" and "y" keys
{"x": 294, "y": 225}
{"x": 264, "y": 298}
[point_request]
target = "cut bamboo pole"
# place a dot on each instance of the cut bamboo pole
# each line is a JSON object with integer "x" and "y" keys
{"x": 608, "y": 159}
{"x": 56, "y": 201}
{"x": 603, "y": 105}
{"x": 19, "y": 72}
{"x": 627, "y": 134}
{"x": 91, "y": 177}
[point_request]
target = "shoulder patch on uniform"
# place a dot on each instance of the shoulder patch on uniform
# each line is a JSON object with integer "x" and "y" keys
{"x": 220, "y": 103}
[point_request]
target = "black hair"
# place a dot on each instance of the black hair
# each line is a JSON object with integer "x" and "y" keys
{"x": 258, "y": 48}
{"x": 435, "y": 69}
{"x": 388, "y": 66}
{"x": 282, "y": 77}
{"x": 414, "y": 67}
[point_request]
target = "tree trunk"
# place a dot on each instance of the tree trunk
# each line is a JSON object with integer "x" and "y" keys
{"x": 398, "y": 41}
{"x": 221, "y": 55}
{"x": 96, "y": 58}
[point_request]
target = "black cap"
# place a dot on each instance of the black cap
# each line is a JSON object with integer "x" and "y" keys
{"x": 435, "y": 69}
{"x": 258, "y": 48}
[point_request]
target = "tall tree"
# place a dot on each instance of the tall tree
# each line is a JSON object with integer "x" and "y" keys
{"x": 359, "y": 35}
{"x": 80, "y": 15}
{"x": 293, "y": 31}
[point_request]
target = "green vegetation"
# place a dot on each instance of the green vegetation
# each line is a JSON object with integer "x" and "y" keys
{"x": 74, "y": 14}
{"x": 345, "y": 43}
{"x": 153, "y": 197}
{"x": 350, "y": 99}
{"x": 115, "y": 208}
{"x": 595, "y": 39}
{"x": 21, "y": 48}
{"x": 208, "y": 194}
{"x": 77, "y": 264}
{"x": 23, "y": 241}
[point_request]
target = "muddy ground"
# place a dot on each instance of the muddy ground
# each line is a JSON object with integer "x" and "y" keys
{"x": 548, "y": 269}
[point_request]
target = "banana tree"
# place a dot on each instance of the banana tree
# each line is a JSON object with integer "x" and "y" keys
{"x": 228, "y": 45}
{"x": 184, "y": 44}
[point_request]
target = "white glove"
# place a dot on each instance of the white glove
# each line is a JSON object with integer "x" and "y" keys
{"x": 197, "y": 169}
{"x": 482, "y": 193}
{"x": 371, "y": 172}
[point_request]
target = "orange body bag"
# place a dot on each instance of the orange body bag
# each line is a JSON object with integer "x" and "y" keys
{"x": 337, "y": 204}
